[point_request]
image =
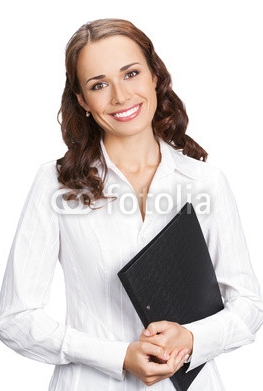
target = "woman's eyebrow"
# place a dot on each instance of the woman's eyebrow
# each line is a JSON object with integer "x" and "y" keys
{"x": 124, "y": 68}
{"x": 128, "y": 66}
{"x": 99, "y": 77}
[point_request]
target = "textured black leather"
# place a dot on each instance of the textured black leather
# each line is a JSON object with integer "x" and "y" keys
{"x": 173, "y": 279}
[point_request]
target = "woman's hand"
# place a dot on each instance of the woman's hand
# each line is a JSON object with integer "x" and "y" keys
{"x": 139, "y": 362}
{"x": 169, "y": 336}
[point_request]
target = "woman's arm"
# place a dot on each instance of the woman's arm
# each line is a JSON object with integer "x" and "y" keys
{"x": 24, "y": 324}
{"x": 242, "y": 316}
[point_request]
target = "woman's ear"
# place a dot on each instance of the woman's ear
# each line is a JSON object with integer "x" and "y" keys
{"x": 82, "y": 102}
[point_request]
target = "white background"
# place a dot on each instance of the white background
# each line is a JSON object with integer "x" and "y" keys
{"x": 213, "y": 49}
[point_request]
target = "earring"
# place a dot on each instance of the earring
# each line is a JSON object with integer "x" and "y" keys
{"x": 87, "y": 113}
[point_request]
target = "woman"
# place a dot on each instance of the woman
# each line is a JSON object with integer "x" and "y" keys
{"x": 125, "y": 175}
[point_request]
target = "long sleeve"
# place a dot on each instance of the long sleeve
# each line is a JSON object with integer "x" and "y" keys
{"x": 24, "y": 324}
{"x": 242, "y": 316}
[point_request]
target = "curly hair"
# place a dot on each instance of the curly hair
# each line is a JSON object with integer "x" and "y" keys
{"x": 82, "y": 135}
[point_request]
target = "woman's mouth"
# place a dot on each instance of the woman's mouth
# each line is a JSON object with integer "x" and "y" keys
{"x": 128, "y": 114}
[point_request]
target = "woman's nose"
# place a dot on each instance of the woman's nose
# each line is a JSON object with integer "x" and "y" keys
{"x": 120, "y": 94}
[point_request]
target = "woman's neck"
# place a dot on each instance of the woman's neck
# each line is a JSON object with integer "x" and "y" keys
{"x": 138, "y": 160}
{"x": 133, "y": 154}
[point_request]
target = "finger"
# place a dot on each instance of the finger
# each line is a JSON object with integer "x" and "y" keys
{"x": 152, "y": 379}
{"x": 155, "y": 350}
{"x": 181, "y": 357}
{"x": 150, "y": 331}
{"x": 158, "y": 372}
{"x": 158, "y": 340}
{"x": 164, "y": 370}
{"x": 155, "y": 328}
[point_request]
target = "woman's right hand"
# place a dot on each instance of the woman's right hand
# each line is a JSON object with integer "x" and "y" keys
{"x": 139, "y": 362}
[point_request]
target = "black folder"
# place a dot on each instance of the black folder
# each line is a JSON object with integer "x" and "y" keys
{"x": 172, "y": 278}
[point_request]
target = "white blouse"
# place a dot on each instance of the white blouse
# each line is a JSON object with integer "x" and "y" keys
{"x": 92, "y": 245}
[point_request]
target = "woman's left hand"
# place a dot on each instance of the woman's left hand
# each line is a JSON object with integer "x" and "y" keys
{"x": 168, "y": 335}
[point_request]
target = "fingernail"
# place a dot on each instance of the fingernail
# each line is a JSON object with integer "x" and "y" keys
{"x": 147, "y": 333}
{"x": 186, "y": 357}
{"x": 166, "y": 356}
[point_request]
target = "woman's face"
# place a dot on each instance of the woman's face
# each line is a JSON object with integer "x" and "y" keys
{"x": 117, "y": 86}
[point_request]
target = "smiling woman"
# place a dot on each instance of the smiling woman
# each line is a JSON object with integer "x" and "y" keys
{"x": 132, "y": 86}
{"x": 128, "y": 170}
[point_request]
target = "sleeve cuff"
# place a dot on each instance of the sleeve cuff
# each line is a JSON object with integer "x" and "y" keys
{"x": 104, "y": 355}
{"x": 208, "y": 341}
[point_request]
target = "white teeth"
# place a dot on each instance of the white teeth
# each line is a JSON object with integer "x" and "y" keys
{"x": 126, "y": 113}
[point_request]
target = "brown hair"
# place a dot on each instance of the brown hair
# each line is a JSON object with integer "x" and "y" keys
{"x": 82, "y": 135}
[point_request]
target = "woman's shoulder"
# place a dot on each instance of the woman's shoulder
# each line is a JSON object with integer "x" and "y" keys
{"x": 47, "y": 172}
{"x": 193, "y": 168}
{"x": 49, "y": 168}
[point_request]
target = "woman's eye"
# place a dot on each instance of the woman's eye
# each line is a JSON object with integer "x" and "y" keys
{"x": 99, "y": 86}
{"x": 131, "y": 74}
